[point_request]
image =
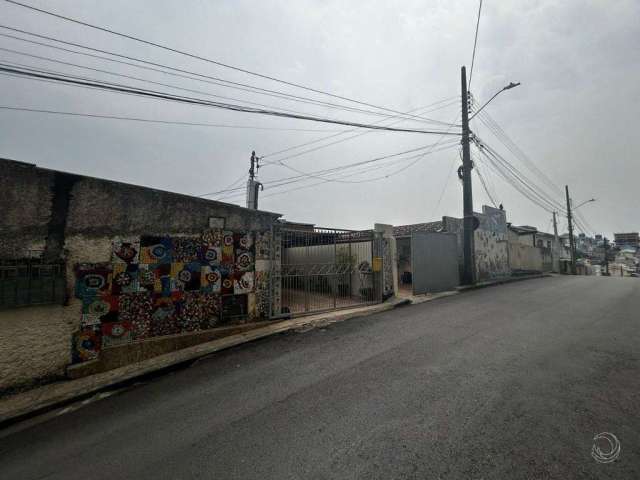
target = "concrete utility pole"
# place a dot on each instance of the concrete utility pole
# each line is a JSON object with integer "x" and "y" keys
{"x": 467, "y": 194}
{"x": 556, "y": 248}
{"x": 572, "y": 242}
{"x": 605, "y": 246}
{"x": 252, "y": 185}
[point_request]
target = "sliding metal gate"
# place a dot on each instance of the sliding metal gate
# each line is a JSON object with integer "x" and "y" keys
{"x": 324, "y": 269}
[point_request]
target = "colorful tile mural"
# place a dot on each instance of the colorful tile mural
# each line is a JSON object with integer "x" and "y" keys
{"x": 161, "y": 285}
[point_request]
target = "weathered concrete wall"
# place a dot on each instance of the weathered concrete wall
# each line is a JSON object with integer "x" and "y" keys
{"x": 490, "y": 242}
{"x": 35, "y": 344}
{"x": 491, "y": 255}
{"x": 77, "y": 219}
{"x": 525, "y": 257}
{"x": 24, "y": 224}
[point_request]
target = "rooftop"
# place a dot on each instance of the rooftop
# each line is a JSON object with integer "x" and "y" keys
{"x": 427, "y": 227}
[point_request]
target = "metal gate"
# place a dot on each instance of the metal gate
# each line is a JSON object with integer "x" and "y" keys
{"x": 323, "y": 269}
{"x": 31, "y": 282}
{"x": 434, "y": 262}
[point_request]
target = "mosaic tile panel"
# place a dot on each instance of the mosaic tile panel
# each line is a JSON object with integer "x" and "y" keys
{"x": 162, "y": 285}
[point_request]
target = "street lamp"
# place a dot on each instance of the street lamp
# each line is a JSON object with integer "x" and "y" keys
{"x": 508, "y": 87}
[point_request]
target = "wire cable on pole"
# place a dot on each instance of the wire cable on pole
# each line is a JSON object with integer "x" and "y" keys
{"x": 195, "y": 56}
{"x": 164, "y": 122}
{"x": 334, "y": 170}
{"x": 68, "y": 79}
{"x": 475, "y": 41}
{"x": 196, "y": 76}
{"x": 362, "y": 171}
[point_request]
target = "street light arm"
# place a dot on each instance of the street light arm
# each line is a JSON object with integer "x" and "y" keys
{"x": 508, "y": 87}
{"x": 586, "y": 201}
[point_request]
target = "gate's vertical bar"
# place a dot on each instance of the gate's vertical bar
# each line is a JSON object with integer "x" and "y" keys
{"x": 272, "y": 249}
{"x": 334, "y": 269}
{"x": 306, "y": 272}
{"x": 351, "y": 265}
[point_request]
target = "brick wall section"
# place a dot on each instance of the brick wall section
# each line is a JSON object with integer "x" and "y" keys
{"x": 35, "y": 342}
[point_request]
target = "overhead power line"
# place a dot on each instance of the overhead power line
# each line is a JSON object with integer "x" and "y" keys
{"x": 517, "y": 179}
{"x": 197, "y": 57}
{"x": 347, "y": 181}
{"x": 314, "y": 149}
{"x": 502, "y": 136}
{"x": 485, "y": 186}
{"x": 449, "y": 102}
{"x": 430, "y": 150}
{"x": 338, "y": 169}
{"x": 179, "y": 72}
{"x": 164, "y": 122}
{"x": 194, "y": 75}
{"x": 130, "y": 77}
{"x": 475, "y": 42}
{"x": 364, "y": 170}
{"x": 140, "y": 79}
{"x": 68, "y": 79}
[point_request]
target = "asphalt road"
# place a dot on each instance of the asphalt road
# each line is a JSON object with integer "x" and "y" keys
{"x": 509, "y": 382}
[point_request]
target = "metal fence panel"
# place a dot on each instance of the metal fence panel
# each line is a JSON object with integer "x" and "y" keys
{"x": 29, "y": 282}
{"x": 434, "y": 261}
{"x": 325, "y": 269}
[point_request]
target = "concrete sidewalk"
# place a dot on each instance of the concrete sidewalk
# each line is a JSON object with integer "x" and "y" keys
{"x": 44, "y": 398}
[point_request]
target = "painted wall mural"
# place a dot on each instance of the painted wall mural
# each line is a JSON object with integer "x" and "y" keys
{"x": 161, "y": 285}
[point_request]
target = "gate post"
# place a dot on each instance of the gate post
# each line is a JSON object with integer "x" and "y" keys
{"x": 388, "y": 252}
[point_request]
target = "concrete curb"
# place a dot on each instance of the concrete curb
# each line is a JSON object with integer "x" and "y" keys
{"x": 39, "y": 400}
{"x": 502, "y": 281}
{"x": 430, "y": 297}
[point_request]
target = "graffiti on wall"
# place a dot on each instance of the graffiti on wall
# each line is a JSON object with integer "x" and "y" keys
{"x": 161, "y": 285}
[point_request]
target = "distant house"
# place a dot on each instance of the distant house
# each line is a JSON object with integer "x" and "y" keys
{"x": 523, "y": 234}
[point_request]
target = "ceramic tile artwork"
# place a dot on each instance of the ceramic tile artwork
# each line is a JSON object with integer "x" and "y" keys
{"x": 186, "y": 249}
{"x": 136, "y": 309}
{"x": 126, "y": 251}
{"x": 199, "y": 311}
{"x": 160, "y": 285}
{"x": 227, "y": 249}
{"x": 115, "y": 333}
{"x": 124, "y": 278}
{"x": 243, "y": 282}
{"x": 210, "y": 279}
{"x": 92, "y": 279}
{"x": 87, "y": 343}
{"x": 155, "y": 249}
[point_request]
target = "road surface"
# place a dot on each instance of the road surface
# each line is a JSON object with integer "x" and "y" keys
{"x": 509, "y": 382}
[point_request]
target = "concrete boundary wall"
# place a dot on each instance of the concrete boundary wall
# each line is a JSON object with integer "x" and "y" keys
{"x": 76, "y": 219}
{"x": 525, "y": 257}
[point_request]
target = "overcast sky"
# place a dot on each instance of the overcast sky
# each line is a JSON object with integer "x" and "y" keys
{"x": 574, "y": 114}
